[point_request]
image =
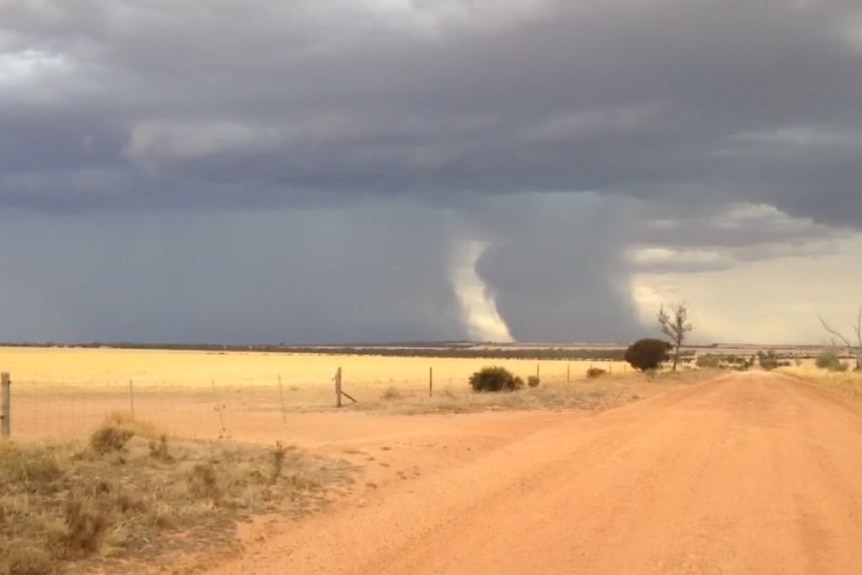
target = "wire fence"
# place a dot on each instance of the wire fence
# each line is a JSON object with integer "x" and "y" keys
{"x": 229, "y": 407}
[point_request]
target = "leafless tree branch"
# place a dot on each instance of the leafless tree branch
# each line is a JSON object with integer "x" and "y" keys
{"x": 676, "y": 326}
{"x": 854, "y": 349}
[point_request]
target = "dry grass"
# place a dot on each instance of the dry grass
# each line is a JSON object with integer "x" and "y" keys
{"x": 847, "y": 383}
{"x": 123, "y": 496}
{"x": 111, "y": 369}
{"x": 584, "y": 394}
{"x": 59, "y": 391}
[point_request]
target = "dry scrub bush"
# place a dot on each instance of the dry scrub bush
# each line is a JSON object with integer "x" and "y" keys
{"x": 110, "y": 439}
{"x": 595, "y": 372}
{"x": 495, "y": 379}
{"x": 392, "y": 393}
{"x": 830, "y": 362}
{"x": 120, "y": 496}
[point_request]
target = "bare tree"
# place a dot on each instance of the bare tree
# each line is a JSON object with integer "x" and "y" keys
{"x": 854, "y": 348}
{"x": 675, "y": 325}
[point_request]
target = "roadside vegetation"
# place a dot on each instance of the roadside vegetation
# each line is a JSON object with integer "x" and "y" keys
{"x": 132, "y": 494}
{"x": 497, "y": 389}
{"x": 725, "y": 361}
{"x": 648, "y": 354}
{"x": 832, "y": 370}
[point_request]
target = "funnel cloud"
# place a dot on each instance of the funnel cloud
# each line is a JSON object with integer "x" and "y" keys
{"x": 479, "y": 312}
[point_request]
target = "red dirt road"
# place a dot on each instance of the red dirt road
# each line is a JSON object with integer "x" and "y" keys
{"x": 746, "y": 474}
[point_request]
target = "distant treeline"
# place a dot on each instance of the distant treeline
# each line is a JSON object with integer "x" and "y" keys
{"x": 452, "y": 350}
{"x": 485, "y": 353}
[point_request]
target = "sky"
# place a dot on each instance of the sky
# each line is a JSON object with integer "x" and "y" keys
{"x": 325, "y": 171}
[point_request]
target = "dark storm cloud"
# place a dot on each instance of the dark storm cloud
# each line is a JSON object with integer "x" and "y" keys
{"x": 310, "y": 276}
{"x": 439, "y": 98}
{"x": 558, "y": 268}
{"x": 296, "y": 124}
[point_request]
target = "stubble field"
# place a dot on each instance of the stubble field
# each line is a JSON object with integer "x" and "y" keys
{"x": 65, "y": 392}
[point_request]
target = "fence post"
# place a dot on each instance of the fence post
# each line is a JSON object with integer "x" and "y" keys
{"x": 219, "y": 407}
{"x": 132, "y": 398}
{"x": 5, "y": 405}
{"x": 338, "y": 388}
{"x": 430, "y": 382}
{"x": 281, "y": 395}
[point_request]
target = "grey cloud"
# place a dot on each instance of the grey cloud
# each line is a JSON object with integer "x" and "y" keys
{"x": 557, "y": 266}
{"x": 723, "y": 237}
{"x": 371, "y": 272}
{"x": 555, "y": 129}
{"x": 621, "y": 97}
{"x": 307, "y": 276}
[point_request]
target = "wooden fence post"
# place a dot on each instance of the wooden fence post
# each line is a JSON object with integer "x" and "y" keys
{"x": 568, "y": 372}
{"x": 5, "y": 405}
{"x": 430, "y": 382}
{"x": 218, "y": 407}
{"x": 281, "y": 395}
{"x": 338, "y": 388}
{"x": 132, "y": 398}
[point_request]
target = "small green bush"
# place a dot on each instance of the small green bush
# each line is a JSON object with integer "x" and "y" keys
{"x": 594, "y": 372}
{"x": 533, "y": 381}
{"x": 495, "y": 379}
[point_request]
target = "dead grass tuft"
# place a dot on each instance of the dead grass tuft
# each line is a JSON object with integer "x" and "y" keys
{"x": 592, "y": 394}
{"x": 110, "y": 439}
{"x": 203, "y": 482}
{"x": 19, "y": 558}
{"x": 278, "y": 456}
{"x": 847, "y": 383}
{"x": 159, "y": 450}
{"x": 392, "y": 393}
{"x": 122, "y": 496}
{"x": 136, "y": 426}
{"x": 85, "y": 525}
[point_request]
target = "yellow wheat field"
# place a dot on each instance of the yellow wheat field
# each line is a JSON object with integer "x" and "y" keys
{"x": 67, "y": 392}
{"x": 99, "y": 369}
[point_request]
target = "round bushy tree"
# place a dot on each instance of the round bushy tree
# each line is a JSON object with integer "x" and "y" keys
{"x": 647, "y": 354}
{"x": 495, "y": 379}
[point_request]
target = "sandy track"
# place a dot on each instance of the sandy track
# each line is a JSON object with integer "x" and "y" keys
{"x": 750, "y": 473}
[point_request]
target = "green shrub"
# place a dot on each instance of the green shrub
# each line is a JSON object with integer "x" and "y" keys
{"x": 595, "y": 372}
{"x": 647, "y": 354}
{"x": 495, "y": 379}
{"x": 830, "y": 361}
{"x": 533, "y": 381}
